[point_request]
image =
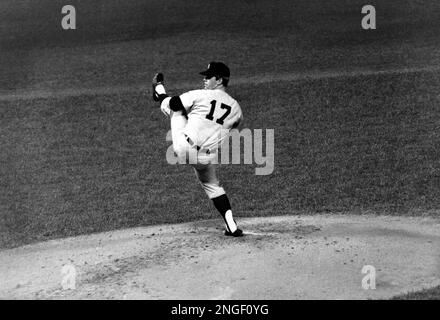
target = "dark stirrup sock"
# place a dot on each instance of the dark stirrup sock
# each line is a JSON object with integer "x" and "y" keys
{"x": 223, "y": 206}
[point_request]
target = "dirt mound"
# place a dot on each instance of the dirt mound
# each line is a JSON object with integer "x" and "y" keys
{"x": 289, "y": 257}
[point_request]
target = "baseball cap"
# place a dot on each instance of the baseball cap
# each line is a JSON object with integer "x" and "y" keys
{"x": 218, "y": 69}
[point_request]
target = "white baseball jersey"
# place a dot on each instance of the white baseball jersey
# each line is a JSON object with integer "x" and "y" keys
{"x": 211, "y": 114}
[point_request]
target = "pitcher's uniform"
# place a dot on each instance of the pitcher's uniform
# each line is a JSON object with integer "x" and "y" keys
{"x": 200, "y": 121}
{"x": 211, "y": 114}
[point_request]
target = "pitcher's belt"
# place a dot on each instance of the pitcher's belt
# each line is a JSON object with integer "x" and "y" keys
{"x": 192, "y": 144}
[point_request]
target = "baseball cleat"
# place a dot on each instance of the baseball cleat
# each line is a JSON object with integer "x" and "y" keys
{"x": 157, "y": 80}
{"x": 236, "y": 233}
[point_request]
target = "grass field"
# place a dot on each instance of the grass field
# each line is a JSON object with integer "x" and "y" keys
{"x": 427, "y": 294}
{"x": 81, "y": 162}
{"x": 91, "y": 163}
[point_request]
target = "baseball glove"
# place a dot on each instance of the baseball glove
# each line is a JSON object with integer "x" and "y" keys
{"x": 158, "y": 79}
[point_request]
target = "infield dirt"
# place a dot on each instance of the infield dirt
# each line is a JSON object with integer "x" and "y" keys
{"x": 319, "y": 257}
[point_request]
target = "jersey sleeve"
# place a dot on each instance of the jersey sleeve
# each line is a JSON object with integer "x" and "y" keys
{"x": 188, "y": 99}
{"x": 238, "y": 118}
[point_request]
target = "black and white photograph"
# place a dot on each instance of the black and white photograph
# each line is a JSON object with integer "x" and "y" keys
{"x": 219, "y": 154}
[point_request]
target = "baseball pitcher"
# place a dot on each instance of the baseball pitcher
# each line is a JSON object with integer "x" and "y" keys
{"x": 200, "y": 121}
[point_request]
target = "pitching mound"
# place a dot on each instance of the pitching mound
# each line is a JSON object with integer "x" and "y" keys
{"x": 289, "y": 257}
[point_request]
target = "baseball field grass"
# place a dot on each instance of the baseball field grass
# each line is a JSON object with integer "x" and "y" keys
{"x": 92, "y": 163}
{"x": 427, "y": 294}
{"x": 83, "y": 146}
